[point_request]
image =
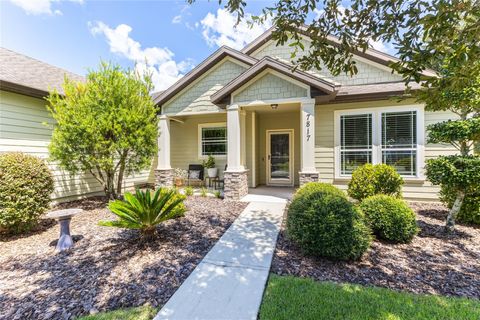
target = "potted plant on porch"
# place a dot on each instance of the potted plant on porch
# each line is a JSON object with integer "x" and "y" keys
{"x": 209, "y": 164}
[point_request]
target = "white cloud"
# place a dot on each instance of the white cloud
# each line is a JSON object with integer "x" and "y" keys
{"x": 219, "y": 29}
{"x": 177, "y": 19}
{"x": 157, "y": 61}
{"x": 38, "y": 7}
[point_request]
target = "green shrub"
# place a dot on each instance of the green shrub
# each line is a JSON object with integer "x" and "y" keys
{"x": 203, "y": 192}
{"x": 188, "y": 191}
{"x": 324, "y": 223}
{"x": 25, "y": 187}
{"x": 369, "y": 180}
{"x": 390, "y": 218}
{"x": 453, "y": 174}
{"x": 143, "y": 212}
{"x": 470, "y": 210}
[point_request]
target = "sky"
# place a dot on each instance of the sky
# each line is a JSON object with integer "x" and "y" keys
{"x": 167, "y": 38}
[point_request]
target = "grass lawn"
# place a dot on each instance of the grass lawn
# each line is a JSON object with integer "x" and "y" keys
{"x": 300, "y": 298}
{"x": 138, "y": 313}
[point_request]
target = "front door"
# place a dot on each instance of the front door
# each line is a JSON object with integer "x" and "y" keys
{"x": 280, "y": 157}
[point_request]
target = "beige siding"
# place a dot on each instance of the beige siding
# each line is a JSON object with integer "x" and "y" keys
{"x": 367, "y": 72}
{"x": 324, "y": 147}
{"x": 196, "y": 97}
{"x": 270, "y": 87}
{"x": 184, "y": 144}
{"x": 22, "y": 129}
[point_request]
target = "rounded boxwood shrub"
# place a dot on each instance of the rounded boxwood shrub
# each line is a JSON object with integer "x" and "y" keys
{"x": 390, "y": 218}
{"x": 25, "y": 187}
{"x": 369, "y": 180}
{"x": 324, "y": 223}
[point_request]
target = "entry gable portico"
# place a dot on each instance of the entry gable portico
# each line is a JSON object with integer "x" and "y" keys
{"x": 315, "y": 86}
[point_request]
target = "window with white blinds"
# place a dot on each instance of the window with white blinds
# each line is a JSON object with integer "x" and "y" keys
{"x": 384, "y": 135}
{"x": 356, "y": 141}
{"x": 399, "y": 141}
{"x": 212, "y": 139}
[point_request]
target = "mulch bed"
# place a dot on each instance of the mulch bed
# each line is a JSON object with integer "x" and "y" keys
{"x": 433, "y": 263}
{"x": 108, "y": 268}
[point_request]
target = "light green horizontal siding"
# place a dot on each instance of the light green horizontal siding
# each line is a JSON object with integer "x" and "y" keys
{"x": 184, "y": 145}
{"x": 23, "y": 127}
{"x": 324, "y": 147}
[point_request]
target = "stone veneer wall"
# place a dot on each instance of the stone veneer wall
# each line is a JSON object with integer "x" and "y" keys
{"x": 164, "y": 178}
{"x": 236, "y": 185}
{"x": 308, "y": 177}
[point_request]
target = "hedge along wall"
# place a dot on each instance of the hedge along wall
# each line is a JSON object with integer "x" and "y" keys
{"x": 22, "y": 129}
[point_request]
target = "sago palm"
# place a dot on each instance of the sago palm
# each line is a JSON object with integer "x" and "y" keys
{"x": 144, "y": 212}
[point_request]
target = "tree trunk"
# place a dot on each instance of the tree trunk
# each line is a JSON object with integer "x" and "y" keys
{"x": 110, "y": 186}
{"x": 120, "y": 174}
{"x": 452, "y": 214}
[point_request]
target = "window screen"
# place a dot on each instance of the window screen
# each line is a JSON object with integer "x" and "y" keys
{"x": 214, "y": 141}
{"x": 355, "y": 141}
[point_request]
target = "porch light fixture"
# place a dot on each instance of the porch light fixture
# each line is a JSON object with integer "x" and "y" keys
{"x": 274, "y": 106}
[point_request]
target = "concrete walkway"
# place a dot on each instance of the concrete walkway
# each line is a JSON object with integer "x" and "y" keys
{"x": 229, "y": 282}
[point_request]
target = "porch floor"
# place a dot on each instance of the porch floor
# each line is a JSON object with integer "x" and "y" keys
{"x": 271, "y": 193}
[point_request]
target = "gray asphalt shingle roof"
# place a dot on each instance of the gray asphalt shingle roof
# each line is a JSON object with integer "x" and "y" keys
{"x": 22, "y": 70}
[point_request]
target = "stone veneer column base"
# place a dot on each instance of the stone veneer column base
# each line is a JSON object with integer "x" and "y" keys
{"x": 235, "y": 185}
{"x": 306, "y": 177}
{"x": 164, "y": 178}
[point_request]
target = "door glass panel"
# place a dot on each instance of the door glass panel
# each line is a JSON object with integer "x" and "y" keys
{"x": 280, "y": 156}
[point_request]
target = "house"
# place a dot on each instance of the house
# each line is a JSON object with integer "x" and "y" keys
{"x": 24, "y": 84}
{"x": 277, "y": 126}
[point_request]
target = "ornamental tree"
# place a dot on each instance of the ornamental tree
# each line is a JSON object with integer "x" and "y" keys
{"x": 106, "y": 126}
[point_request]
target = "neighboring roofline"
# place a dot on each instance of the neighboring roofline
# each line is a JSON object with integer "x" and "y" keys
{"x": 21, "y": 89}
{"x": 370, "y": 54}
{"x": 196, "y": 72}
{"x": 270, "y": 63}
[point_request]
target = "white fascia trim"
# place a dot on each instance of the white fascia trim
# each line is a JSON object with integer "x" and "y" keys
{"x": 199, "y": 138}
{"x": 376, "y": 136}
{"x": 274, "y": 73}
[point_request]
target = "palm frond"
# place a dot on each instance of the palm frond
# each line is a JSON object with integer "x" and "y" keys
{"x": 144, "y": 212}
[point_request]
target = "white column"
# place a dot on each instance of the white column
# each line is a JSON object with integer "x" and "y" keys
{"x": 163, "y": 143}
{"x": 243, "y": 138}
{"x": 234, "y": 139}
{"x": 307, "y": 143}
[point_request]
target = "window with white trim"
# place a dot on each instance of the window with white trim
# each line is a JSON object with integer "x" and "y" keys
{"x": 387, "y": 135}
{"x": 355, "y": 141}
{"x": 399, "y": 141}
{"x": 212, "y": 140}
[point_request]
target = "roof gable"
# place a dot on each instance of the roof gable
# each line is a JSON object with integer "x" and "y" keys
{"x": 203, "y": 67}
{"x": 370, "y": 55}
{"x": 320, "y": 86}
